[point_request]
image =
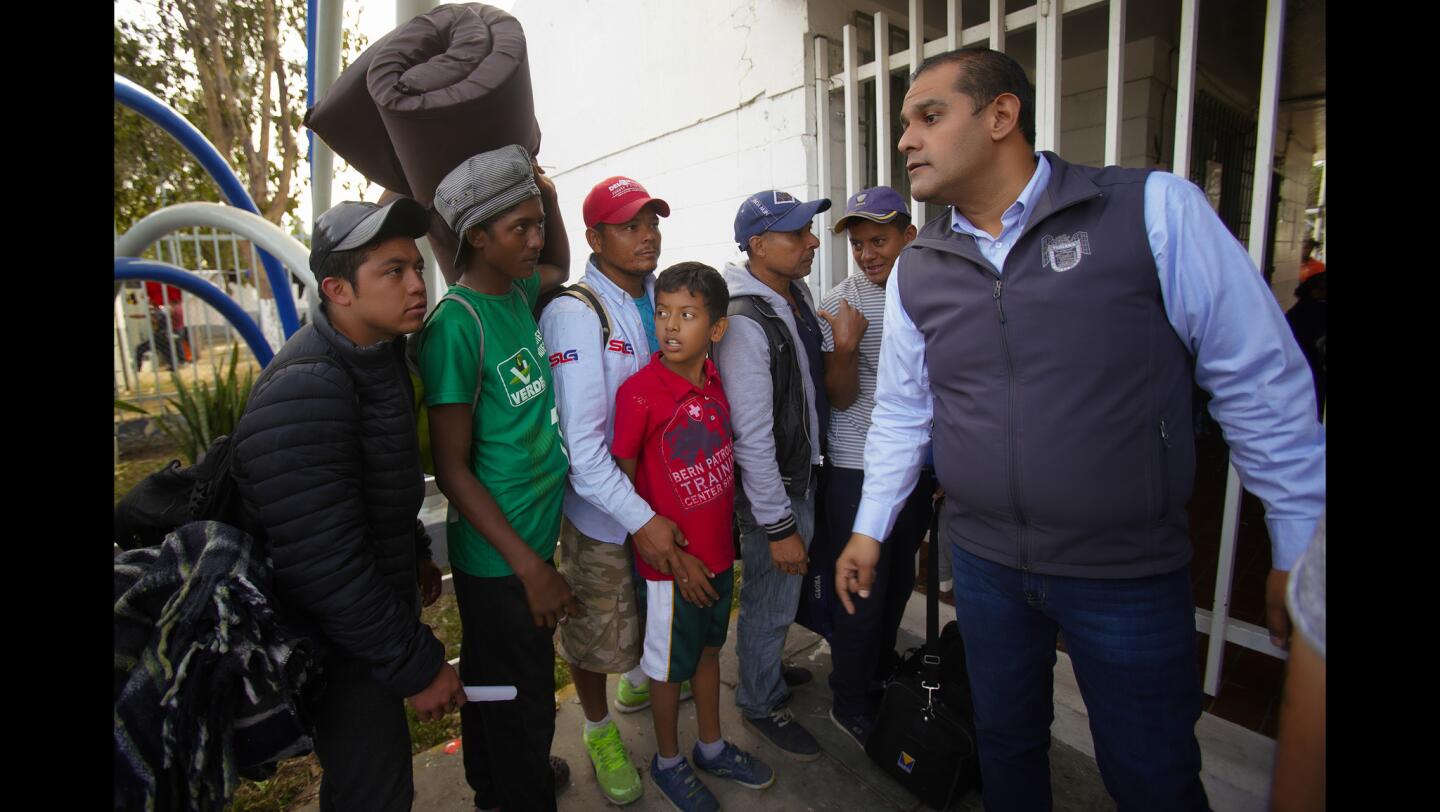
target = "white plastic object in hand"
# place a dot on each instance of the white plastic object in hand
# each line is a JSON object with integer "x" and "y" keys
{"x": 489, "y": 693}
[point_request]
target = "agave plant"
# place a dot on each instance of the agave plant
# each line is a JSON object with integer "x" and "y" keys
{"x": 197, "y": 414}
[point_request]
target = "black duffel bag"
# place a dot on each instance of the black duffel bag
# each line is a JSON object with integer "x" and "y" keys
{"x": 924, "y": 735}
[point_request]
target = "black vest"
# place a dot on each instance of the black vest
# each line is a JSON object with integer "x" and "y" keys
{"x": 1062, "y": 394}
{"x": 787, "y": 393}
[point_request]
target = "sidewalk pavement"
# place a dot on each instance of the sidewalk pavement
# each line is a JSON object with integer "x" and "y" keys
{"x": 1237, "y": 761}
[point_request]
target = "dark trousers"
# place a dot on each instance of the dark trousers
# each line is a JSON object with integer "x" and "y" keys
{"x": 506, "y": 744}
{"x": 1132, "y": 643}
{"x": 363, "y": 741}
{"x": 862, "y": 645}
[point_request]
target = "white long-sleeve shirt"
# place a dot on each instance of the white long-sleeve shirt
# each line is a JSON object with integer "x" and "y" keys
{"x": 599, "y": 499}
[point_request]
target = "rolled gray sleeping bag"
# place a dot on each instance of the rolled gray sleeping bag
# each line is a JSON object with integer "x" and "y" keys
{"x": 447, "y": 85}
{"x": 348, "y": 121}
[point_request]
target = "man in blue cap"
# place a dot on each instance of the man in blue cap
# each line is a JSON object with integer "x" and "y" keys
{"x": 771, "y": 362}
{"x": 877, "y": 225}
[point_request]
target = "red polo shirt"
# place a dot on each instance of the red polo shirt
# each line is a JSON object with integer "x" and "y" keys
{"x": 680, "y": 436}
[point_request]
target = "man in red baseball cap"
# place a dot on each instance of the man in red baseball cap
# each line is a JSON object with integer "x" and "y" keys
{"x": 598, "y": 332}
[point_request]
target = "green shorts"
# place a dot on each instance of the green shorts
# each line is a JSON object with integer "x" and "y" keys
{"x": 676, "y": 630}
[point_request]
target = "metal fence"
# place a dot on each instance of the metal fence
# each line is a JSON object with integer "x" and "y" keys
{"x": 160, "y": 328}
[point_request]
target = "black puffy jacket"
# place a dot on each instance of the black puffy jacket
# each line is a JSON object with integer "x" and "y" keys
{"x": 328, "y": 468}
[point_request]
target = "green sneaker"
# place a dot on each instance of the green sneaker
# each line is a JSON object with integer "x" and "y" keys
{"x": 630, "y": 698}
{"x": 614, "y": 773}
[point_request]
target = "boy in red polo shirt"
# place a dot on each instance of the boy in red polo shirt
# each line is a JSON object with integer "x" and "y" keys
{"x": 673, "y": 439}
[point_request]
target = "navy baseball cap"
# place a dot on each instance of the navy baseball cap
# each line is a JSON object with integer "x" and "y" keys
{"x": 879, "y": 204}
{"x": 773, "y": 210}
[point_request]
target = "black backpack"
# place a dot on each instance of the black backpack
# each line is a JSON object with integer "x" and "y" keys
{"x": 924, "y": 734}
{"x": 175, "y": 495}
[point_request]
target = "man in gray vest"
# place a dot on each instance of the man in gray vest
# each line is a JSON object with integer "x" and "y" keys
{"x": 1048, "y": 323}
{"x": 877, "y": 225}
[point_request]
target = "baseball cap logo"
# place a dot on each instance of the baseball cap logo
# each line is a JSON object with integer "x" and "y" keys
{"x": 860, "y": 198}
{"x": 783, "y": 197}
{"x": 622, "y": 187}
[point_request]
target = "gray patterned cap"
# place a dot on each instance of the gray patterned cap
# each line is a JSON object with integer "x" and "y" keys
{"x": 483, "y": 186}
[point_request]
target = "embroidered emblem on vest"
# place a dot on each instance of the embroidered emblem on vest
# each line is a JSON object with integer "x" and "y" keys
{"x": 1062, "y": 253}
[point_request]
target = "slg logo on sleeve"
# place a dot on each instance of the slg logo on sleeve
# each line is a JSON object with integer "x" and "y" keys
{"x": 566, "y": 357}
{"x": 521, "y": 376}
{"x": 622, "y": 347}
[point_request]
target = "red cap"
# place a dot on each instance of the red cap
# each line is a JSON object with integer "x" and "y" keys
{"x": 615, "y": 200}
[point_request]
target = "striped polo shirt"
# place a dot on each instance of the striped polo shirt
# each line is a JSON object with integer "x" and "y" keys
{"x": 848, "y": 427}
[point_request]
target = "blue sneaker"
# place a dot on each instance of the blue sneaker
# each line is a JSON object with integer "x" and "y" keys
{"x": 682, "y": 788}
{"x": 736, "y": 765}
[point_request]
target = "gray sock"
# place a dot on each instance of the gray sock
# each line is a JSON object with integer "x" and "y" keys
{"x": 712, "y": 750}
{"x": 668, "y": 763}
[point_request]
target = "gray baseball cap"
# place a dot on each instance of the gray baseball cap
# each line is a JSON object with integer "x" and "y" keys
{"x": 483, "y": 186}
{"x": 352, "y": 224}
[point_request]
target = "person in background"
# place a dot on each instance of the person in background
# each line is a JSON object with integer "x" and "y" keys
{"x": 1307, "y": 323}
{"x": 1299, "y": 784}
{"x": 1309, "y": 265}
{"x": 877, "y": 224}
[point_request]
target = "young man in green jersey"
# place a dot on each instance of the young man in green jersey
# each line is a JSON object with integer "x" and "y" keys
{"x": 501, "y": 462}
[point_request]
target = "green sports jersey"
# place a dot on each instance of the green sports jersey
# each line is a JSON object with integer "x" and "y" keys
{"x": 516, "y": 449}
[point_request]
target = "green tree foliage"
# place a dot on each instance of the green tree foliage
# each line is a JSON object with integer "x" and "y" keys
{"x": 222, "y": 65}
{"x": 151, "y": 168}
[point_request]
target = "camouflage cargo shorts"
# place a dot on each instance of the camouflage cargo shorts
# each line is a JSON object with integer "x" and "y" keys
{"x": 606, "y": 637}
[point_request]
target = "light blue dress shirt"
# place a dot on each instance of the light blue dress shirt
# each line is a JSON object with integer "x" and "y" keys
{"x": 1217, "y": 302}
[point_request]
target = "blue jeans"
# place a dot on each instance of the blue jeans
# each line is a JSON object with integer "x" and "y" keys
{"x": 768, "y": 600}
{"x": 1132, "y": 643}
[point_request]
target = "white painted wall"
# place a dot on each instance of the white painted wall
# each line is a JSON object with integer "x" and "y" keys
{"x": 1144, "y": 114}
{"x": 703, "y": 103}
{"x": 707, "y": 102}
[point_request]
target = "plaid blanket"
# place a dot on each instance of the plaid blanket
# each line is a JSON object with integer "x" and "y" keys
{"x": 207, "y": 679}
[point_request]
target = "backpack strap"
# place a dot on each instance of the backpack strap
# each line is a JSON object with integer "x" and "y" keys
{"x": 592, "y": 300}
{"x": 412, "y": 359}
